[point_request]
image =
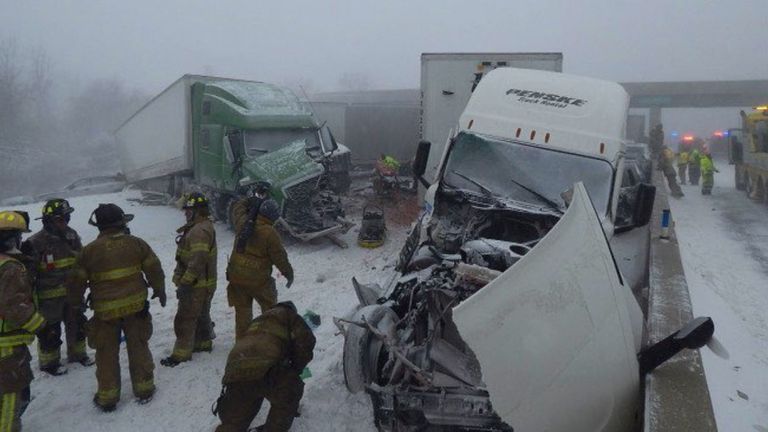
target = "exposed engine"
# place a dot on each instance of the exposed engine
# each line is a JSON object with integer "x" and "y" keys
{"x": 410, "y": 356}
{"x": 311, "y": 206}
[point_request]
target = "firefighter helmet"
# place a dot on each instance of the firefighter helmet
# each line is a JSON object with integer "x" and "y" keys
{"x": 56, "y": 207}
{"x": 270, "y": 210}
{"x": 13, "y": 221}
{"x": 109, "y": 215}
{"x": 195, "y": 200}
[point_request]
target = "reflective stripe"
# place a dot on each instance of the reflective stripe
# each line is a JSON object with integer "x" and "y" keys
{"x": 106, "y": 397}
{"x": 144, "y": 388}
{"x": 115, "y": 274}
{"x": 57, "y": 265}
{"x": 199, "y": 247}
{"x": 34, "y": 322}
{"x": 60, "y": 291}
{"x": 204, "y": 345}
{"x": 47, "y": 358}
{"x": 183, "y": 253}
{"x": 120, "y": 307}
{"x": 16, "y": 340}
{"x": 8, "y": 412}
{"x": 244, "y": 261}
{"x": 280, "y": 332}
{"x": 181, "y": 354}
{"x": 210, "y": 283}
{"x": 77, "y": 348}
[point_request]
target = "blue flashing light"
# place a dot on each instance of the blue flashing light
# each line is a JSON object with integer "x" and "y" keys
{"x": 726, "y": 133}
{"x": 674, "y": 134}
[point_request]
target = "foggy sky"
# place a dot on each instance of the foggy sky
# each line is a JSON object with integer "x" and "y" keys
{"x": 149, "y": 44}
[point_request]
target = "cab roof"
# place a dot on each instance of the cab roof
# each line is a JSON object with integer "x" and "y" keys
{"x": 548, "y": 109}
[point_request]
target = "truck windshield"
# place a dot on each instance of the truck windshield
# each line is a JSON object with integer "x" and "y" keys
{"x": 260, "y": 142}
{"x": 525, "y": 173}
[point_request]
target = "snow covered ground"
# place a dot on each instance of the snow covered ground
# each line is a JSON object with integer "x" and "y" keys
{"x": 724, "y": 244}
{"x": 185, "y": 393}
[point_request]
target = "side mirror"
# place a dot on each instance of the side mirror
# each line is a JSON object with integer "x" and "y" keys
{"x": 420, "y": 162}
{"x": 646, "y": 195}
{"x": 693, "y": 335}
{"x": 635, "y": 207}
{"x": 332, "y": 144}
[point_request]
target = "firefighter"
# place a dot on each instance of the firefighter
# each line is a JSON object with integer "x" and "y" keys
{"x": 266, "y": 363}
{"x": 665, "y": 164}
{"x": 54, "y": 249}
{"x": 19, "y": 320}
{"x": 694, "y": 167}
{"x": 388, "y": 165}
{"x": 682, "y": 164}
{"x": 708, "y": 171}
{"x": 250, "y": 267}
{"x": 195, "y": 280}
{"x": 656, "y": 139}
{"x": 114, "y": 266}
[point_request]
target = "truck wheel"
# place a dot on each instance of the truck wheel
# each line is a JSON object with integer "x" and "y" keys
{"x": 362, "y": 350}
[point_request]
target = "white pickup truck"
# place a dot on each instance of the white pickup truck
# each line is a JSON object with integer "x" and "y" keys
{"x": 507, "y": 309}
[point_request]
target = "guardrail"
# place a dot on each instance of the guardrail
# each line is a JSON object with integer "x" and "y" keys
{"x": 676, "y": 394}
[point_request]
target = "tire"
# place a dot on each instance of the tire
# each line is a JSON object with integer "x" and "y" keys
{"x": 362, "y": 349}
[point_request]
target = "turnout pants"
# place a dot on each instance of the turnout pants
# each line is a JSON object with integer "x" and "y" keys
{"x": 104, "y": 337}
{"x": 707, "y": 181}
{"x": 241, "y": 297}
{"x": 681, "y": 170}
{"x": 669, "y": 173}
{"x": 241, "y": 402}
{"x": 192, "y": 325}
{"x": 57, "y": 312}
{"x": 694, "y": 173}
{"x": 15, "y": 376}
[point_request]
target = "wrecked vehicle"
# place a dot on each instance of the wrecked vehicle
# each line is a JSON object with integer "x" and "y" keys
{"x": 222, "y": 136}
{"x": 506, "y": 310}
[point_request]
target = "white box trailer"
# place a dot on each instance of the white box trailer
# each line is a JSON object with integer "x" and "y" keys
{"x": 447, "y": 82}
{"x": 156, "y": 140}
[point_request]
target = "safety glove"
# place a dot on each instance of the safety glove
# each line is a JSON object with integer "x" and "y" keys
{"x": 160, "y": 295}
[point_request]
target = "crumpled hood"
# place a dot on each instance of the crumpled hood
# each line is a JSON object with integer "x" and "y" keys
{"x": 283, "y": 167}
{"x": 556, "y": 335}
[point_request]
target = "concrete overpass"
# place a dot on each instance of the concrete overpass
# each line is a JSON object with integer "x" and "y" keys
{"x": 388, "y": 120}
{"x": 695, "y": 94}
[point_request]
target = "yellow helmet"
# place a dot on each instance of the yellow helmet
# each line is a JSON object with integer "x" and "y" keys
{"x": 13, "y": 221}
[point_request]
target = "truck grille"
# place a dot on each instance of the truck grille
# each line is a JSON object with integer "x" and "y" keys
{"x": 310, "y": 207}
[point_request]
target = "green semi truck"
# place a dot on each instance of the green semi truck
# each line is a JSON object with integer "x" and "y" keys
{"x": 221, "y": 136}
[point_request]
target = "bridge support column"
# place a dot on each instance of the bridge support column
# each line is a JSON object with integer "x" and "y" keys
{"x": 654, "y": 117}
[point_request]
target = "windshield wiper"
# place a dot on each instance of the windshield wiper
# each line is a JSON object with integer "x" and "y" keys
{"x": 546, "y": 200}
{"x": 483, "y": 188}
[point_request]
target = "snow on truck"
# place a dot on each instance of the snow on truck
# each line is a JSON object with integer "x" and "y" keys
{"x": 507, "y": 309}
{"x": 224, "y": 135}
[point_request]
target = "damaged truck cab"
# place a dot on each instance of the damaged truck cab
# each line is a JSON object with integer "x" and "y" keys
{"x": 224, "y": 135}
{"x": 507, "y": 309}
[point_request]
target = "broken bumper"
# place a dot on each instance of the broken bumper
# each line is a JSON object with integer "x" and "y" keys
{"x": 455, "y": 411}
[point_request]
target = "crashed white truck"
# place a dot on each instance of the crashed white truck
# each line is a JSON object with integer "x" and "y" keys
{"x": 507, "y": 309}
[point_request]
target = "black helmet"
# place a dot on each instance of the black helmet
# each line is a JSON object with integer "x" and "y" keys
{"x": 57, "y": 207}
{"x": 109, "y": 215}
{"x": 270, "y": 210}
{"x": 288, "y": 305}
{"x": 195, "y": 200}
